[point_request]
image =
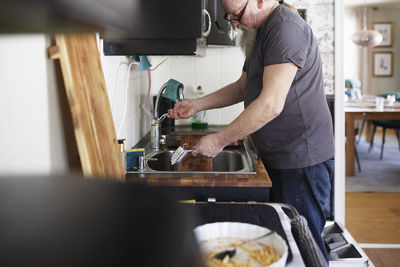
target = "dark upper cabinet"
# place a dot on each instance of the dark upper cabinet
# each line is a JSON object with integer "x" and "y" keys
{"x": 173, "y": 27}
{"x": 173, "y": 19}
{"x": 160, "y": 28}
{"x": 222, "y": 32}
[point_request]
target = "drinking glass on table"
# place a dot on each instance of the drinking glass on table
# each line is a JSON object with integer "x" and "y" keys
{"x": 391, "y": 99}
{"x": 380, "y": 102}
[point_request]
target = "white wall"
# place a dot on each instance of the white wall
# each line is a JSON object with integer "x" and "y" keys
{"x": 358, "y": 60}
{"x": 31, "y": 136}
{"x": 386, "y": 84}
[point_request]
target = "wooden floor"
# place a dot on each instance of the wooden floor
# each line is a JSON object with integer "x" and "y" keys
{"x": 374, "y": 218}
{"x": 383, "y": 257}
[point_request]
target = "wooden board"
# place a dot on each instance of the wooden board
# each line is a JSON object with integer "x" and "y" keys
{"x": 89, "y": 105}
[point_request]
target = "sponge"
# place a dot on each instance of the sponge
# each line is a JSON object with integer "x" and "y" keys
{"x": 132, "y": 157}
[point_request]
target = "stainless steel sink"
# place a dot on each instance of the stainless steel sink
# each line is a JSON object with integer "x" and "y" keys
{"x": 226, "y": 161}
{"x": 238, "y": 159}
{"x": 230, "y": 160}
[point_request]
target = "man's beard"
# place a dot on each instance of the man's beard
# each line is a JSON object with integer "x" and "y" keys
{"x": 247, "y": 40}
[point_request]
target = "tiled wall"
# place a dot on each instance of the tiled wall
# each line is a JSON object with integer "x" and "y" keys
{"x": 215, "y": 68}
{"x": 219, "y": 67}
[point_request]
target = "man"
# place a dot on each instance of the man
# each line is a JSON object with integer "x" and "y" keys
{"x": 285, "y": 108}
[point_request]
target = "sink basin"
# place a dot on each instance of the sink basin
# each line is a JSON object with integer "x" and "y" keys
{"x": 163, "y": 162}
{"x": 228, "y": 161}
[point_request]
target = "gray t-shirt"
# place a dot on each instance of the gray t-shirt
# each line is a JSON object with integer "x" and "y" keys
{"x": 302, "y": 134}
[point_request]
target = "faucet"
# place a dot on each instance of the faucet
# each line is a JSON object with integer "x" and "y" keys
{"x": 157, "y": 119}
{"x": 142, "y": 161}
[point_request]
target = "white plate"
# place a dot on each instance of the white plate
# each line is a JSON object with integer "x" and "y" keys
{"x": 217, "y": 237}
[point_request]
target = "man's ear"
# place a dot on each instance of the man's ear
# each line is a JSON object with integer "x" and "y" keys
{"x": 260, "y": 4}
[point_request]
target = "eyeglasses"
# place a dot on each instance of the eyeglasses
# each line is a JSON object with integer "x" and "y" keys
{"x": 238, "y": 16}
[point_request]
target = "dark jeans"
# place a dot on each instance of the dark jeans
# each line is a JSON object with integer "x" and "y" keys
{"x": 308, "y": 190}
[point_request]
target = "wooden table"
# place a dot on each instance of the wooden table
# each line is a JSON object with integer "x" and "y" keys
{"x": 363, "y": 111}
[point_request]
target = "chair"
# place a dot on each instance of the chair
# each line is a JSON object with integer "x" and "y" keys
{"x": 386, "y": 124}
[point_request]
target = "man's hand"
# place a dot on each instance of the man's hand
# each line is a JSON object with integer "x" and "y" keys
{"x": 208, "y": 146}
{"x": 183, "y": 110}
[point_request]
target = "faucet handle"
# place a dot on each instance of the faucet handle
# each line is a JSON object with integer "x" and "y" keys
{"x": 163, "y": 139}
{"x": 162, "y": 117}
{"x": 180, "y": 94}
{"x": 142, "y": 160}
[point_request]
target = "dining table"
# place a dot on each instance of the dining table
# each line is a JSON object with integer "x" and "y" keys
{"x": 364, "y": 109}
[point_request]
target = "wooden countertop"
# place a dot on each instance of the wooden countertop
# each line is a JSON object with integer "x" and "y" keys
{"x": 189, "y": 136}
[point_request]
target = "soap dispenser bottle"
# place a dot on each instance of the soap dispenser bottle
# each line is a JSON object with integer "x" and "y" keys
{"x": 199, "y": 120}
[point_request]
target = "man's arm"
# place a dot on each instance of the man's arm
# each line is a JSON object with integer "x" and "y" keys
{"x": 277, "y": 80}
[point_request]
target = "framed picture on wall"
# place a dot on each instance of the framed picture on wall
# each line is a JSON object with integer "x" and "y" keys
{"x": 382, "y": 64}
{"x": 385, "y": 28}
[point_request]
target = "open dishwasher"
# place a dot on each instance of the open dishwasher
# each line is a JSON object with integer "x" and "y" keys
{"x": 341, "y": 247}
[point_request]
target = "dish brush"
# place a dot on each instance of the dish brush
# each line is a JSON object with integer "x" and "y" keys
{"x": 179, "y": 154}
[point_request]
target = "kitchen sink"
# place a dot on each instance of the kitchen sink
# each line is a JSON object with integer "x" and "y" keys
{"x": 236, "y": 158}
{"x": 226, "y": 161}
{"x": 230, "y": 160}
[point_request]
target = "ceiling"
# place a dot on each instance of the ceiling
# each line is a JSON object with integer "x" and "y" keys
{"x": 374, "y": 3}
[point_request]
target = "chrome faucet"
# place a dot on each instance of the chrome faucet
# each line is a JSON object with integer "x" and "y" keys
{"x": 142, "y": 161}
{"x": 157, "y": 119}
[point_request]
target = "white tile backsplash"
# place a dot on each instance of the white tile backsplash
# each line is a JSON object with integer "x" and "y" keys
{"x": 208, "y": 66}
{"x": 210, "y": 82}
{"x": 214, "y": 116}
{"x": 232, "y": 60}
{"x": 218, "y": 67}
{"x": 229, "y": 114}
